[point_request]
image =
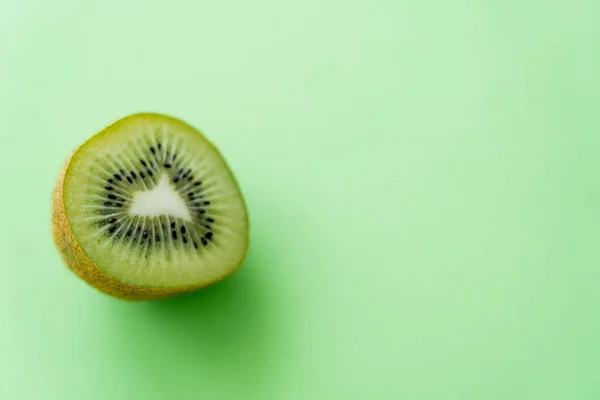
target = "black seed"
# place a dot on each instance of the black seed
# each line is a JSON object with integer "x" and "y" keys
{"x": 174, "y": 156}
{"x": 197, "y": 183}
{"x": 195, "y": 244}
{"x": 129, "y": 233}
{"x": 112, "y": 197}
{"x": 159, "y": 145}
{"x": 191, "y": 194}
{"x": 118, "y": 177}
{"x": 122, "y": 172}
{"x": 186, "y": 173}
{"x": 208, "y": 235}
{"x": 180, "y": 171}
{"x": 113, "y": 228}
{"x": 142, "y": 175}
{"x": 118, "y": 204}
{"x": 149, "y": 172}
{"x": 157, "y": 238}
{"x": 206, "y": 226}
{"x": 109, "y": 187}
{"x": 191, "y": 178}
{"x": 152, "y": 150}
{"x": 202, "y": 211}
{"x": 144, "y": 163}
{"x": 133, "y": 175}
{"x": 174, "y": 234}
{"x": 204, "y": 242}
{"x": 210, "y": 220}
{"x": 176, "y": 179}
{"x": 173, "y": 225}
{"x": 184, "y": 239}
{"x": 183, "y": 229}
{"x": 206, "y": 203}
{"x": 167, "y": 165}
{"x": 108, "y": 204}
{"x": 111, "y": 181}
{"x": 145, "y": 234}
{"x": 138, "y": 230}
{"x": 112, "y": 220}
{"x": 129, "y": 179}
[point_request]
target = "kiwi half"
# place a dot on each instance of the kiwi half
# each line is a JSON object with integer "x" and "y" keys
{"x": 148, "y": 208}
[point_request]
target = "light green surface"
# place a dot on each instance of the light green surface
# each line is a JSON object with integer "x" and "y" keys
{"x": 422, "y": 180}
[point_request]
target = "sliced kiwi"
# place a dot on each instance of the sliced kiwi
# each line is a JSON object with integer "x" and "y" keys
{"x": 148, "y": 208}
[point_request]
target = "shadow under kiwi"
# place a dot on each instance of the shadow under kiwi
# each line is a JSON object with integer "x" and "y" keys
{"x": 215, "y": 339}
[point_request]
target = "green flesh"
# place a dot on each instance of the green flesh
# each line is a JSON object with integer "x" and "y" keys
{"x": 152, "y": 203}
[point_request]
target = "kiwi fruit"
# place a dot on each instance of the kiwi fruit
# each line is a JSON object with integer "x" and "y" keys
{"x": 148, "y": 208}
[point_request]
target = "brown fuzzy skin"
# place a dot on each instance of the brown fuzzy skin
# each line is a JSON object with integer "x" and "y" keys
{"x": 78, "y": 262}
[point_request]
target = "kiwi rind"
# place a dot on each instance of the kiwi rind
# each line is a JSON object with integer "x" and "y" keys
{"x": 83, "y": 267}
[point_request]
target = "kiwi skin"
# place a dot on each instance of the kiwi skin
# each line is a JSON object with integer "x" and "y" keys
{"x": 78, "y": 262}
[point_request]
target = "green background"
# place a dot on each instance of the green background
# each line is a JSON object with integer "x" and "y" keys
{"x": 421, "y": 176}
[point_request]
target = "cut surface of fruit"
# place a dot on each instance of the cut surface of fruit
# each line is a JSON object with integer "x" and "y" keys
{"x": 152, "y": 203}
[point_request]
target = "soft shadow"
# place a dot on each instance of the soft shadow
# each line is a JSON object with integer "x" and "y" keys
{"x": 216, "y": 339}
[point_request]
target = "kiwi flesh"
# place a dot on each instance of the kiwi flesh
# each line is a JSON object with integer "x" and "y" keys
{"x": 148, "y": 208}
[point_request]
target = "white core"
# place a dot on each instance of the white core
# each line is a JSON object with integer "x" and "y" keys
{"x": 160, "y": 200}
